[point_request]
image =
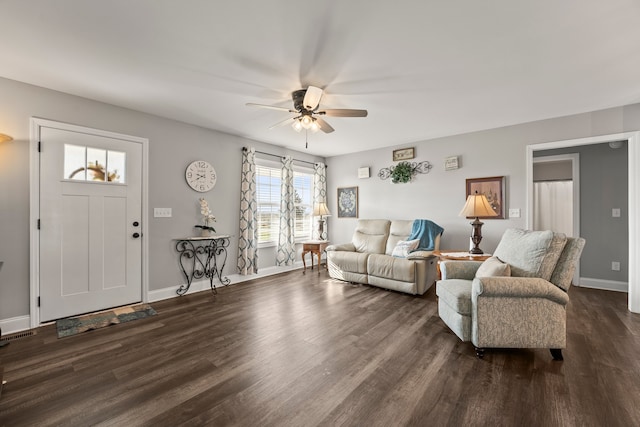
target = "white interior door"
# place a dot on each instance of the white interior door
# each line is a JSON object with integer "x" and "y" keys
{"x": 90, "y": 223}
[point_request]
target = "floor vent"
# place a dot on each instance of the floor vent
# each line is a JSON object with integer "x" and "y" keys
{"x": 18, "y": 335}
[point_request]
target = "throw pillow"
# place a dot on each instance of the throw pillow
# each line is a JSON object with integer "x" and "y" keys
{"x": 493, "y": 267}
{"x": 403, "y": 247}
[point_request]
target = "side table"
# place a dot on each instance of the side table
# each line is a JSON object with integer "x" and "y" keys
{"x": 315, "y": 247}
{"x": 454, "y": 255}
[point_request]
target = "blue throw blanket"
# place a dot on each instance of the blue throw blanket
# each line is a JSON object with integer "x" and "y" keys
{"x": 426, "y": 231}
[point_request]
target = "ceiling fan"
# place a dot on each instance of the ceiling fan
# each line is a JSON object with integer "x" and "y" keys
{"x": 306, "y": 103}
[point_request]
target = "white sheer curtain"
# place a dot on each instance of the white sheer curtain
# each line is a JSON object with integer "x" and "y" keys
{"x": 553, "y": 206}
{"x": 248, "y": 240}
{"x": 286, "y": 243}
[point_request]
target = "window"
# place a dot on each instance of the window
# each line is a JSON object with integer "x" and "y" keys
{"x": 268, "y": 196}
{"x": 93, "y": 164}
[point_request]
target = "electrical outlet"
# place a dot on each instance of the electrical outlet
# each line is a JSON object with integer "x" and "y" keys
{"x": 514, "y": 213}
{"x": 162, "y": 212}
{"x": 615, "y": 265}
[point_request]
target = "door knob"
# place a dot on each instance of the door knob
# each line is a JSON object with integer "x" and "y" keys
{"x": 136, "y": 235}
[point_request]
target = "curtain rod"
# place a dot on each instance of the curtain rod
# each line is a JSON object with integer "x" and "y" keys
{"x": 282, "y": 157}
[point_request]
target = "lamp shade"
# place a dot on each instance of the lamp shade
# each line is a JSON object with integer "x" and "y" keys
{"x": 321, "y": 209}
{"x": 4, "y": 138}
{"x": 477, "y": 205}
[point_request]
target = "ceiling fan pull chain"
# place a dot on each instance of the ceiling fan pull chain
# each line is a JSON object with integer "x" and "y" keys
{"x": 306, "y": 137}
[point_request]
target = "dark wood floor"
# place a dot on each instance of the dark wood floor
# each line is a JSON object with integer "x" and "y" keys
{"x": 303, "y": 350}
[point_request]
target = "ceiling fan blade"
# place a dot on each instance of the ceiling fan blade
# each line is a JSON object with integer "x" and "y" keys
{"x": 282, "y": 123}
{"x": 324, "y": 126}
{"x": 312, "y": 98}
{"x": 271, "y": 107}
{"x": 343, "y": 112}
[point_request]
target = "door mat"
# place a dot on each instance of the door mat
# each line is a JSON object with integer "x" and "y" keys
{"x": 75, "y": 325}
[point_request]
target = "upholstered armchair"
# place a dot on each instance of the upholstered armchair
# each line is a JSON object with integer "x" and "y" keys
{"x": 517, "y": 298}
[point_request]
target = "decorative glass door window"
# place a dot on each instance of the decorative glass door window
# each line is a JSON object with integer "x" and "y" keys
{"x": 93, "y": 164}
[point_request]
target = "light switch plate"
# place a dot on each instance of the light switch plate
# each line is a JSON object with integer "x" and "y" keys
{"x": 615, "y": 212}
{"x": 162, "y": 212}
{"x": 514, "y": 213}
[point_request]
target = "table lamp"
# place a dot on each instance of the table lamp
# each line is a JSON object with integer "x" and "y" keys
{"x": 477, "y": 205}
{"x": 321, "y": 210}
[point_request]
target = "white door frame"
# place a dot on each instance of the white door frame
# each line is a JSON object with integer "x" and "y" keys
{"x": 574, "y": 158}
{"x": 633, "y": 146}
{"x": 36, "y": 124}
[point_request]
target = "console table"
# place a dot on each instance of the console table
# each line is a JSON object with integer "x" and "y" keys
{"x": 202, "y": 257}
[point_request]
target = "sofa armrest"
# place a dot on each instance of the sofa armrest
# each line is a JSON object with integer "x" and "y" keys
{"x": 415, "y": 255}
{"x": 348, "y": 247}
{"x": 517, "y": 287}
{"x": 459, "y": 269}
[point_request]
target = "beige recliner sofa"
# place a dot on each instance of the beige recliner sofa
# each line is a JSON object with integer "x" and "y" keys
{"x": 368, "y": 258}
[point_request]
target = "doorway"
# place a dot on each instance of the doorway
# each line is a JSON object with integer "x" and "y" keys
{"x": 89, "y": 240}
{"x": 633, "y": 146}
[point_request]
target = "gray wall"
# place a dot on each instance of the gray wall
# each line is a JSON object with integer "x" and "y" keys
{"x": 439, "y": 195}
{"x": 603, "y": 186}
{"x": 552, "y": 171}
{"x": 173, "y": 145}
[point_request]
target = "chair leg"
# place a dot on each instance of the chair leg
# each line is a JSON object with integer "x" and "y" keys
{"x": 556, "y": 353}
{"x": 479, "y": 352}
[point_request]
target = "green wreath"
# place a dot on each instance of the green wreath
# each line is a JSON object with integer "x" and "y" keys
{"x": 402, "y": 172}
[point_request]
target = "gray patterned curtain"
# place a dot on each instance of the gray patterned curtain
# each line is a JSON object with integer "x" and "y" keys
{"x": 248, "y": 241}
{"x": 320, "y": 193}
{"x": 286, "y": 242}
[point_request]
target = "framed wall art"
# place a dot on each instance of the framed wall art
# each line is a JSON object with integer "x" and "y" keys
{"x": 404, "y": 154}
{"x": 348, "y": 202}
{"x": 494, "y": 190}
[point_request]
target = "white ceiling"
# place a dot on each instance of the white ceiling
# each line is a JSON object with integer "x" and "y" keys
{"x": 422, "y": 68}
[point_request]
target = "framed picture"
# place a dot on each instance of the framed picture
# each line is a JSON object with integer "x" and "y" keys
{"x": 348, "y": 202}
{"x": 494, "y": 190}
{"x": 404, "y": 154}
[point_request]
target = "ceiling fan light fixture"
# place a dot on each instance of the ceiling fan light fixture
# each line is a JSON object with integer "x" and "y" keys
{"x": 306, "y": 121}
{"x": 306, "y": 103}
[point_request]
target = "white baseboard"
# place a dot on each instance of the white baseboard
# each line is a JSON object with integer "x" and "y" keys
{"x": 203, "y": 285}
{"x": 15, "y": 324}
{"x": 606, "y": 285}
{"x": 22, "y": 323}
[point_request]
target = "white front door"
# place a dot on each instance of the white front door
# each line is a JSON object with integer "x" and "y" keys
{"x": 90, "y": 223}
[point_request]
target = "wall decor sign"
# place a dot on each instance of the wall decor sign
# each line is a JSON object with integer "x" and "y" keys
{"x": 494, "y": 190}
{"x": 348, "y": 202}
{"x": 404, "y": 154}
{"x": 451, "y": 163}
{"x": 363, "y": 173}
